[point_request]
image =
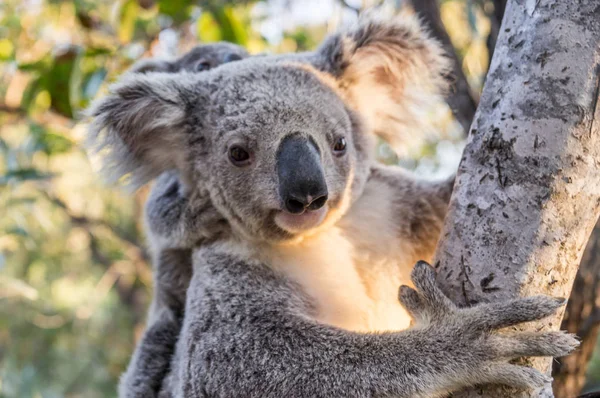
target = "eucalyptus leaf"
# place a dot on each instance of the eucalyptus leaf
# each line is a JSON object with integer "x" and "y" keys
{"x": 178, "y": 10}
{"x": 62, "y": 80}
{"x": 128, "y": 15}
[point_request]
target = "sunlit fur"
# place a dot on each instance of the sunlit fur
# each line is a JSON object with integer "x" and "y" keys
{"x": 360, "y": 84}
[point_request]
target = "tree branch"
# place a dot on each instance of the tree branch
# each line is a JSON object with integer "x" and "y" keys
{"x": 495, "y": 23}
{"x": 13, "y": 110}
{"x": 459, "y": 99}
{"x": 87, "y": 222}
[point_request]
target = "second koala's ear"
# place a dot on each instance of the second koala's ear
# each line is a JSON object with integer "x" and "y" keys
{"x": 139, "y": 129}
{"x": 152, "y": 65}
{"x": 390, "y": 71}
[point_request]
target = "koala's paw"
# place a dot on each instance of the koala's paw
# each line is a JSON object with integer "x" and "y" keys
{"x": 469, "y": 337}
{"x": 165, "y": 206}
{"x": 180, "y": 218}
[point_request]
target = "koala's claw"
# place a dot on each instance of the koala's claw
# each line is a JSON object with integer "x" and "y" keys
{"x": 427, "y": 302}
{"x": 412, "y": 302}
{"x": 512, "y": 312}
{"x": 513, "y": 375}
{"x": 423, "y": 276}
{"x": 474, "y": 331}
{"x": 533, "y": 344}
{"x": 428, "y": 298}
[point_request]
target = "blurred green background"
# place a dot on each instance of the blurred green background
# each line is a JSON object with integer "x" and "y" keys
{"x": 75, "y": 280}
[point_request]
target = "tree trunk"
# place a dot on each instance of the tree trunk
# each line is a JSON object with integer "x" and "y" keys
{"x": 582, "y": 317}
{"x": 527, "y": 193}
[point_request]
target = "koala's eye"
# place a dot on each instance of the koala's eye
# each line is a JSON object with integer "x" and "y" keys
{"x": 202, "y": 66}
{"x": 231, "y": 58}
{"x": 339, "y": 147}
{"x": 239, "y": 156}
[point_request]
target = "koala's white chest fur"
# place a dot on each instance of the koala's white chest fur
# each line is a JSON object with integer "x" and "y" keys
{"x": 353, "y": 270}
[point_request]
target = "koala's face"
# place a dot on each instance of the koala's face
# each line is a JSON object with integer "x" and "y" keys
{"x": 283, "y": 155}
{"x": 280, "y": 143}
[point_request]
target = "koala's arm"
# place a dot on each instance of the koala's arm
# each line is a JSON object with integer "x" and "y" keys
{"x": 150, "y": 364}
{"x": 171, "y": 234}
{"x": 174, "y": 225}
{"x": 177, "y": 218}
{"x": 248, "y": 333}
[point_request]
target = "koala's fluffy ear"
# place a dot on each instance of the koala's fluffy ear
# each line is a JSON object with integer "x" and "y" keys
{"x": 139, "y": 129}
{"x": 152, "y": 65}
{"x": 390, "y": 71}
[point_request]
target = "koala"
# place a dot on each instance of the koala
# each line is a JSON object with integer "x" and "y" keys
{"x": 302, "y": 247}
{"x": 172, "y": 257}
{"x": 199, "y": 59}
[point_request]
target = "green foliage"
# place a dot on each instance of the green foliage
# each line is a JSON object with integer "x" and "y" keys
{"x": 178, "y": 10}
{"x": 74, "y": 275}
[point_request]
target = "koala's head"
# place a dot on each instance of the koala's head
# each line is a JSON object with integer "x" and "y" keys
{"x": 199, "y": 59}
{"x": 281, "y": 144}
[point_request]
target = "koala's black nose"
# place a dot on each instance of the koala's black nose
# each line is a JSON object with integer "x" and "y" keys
{"x": 297, "y": 205}
{"x": 302, "y": 184}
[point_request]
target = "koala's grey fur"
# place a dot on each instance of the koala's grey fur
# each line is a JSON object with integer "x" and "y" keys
{"x": 271, "y": 311}
{"x": 170, "y": 251}
{"x": 201, "y": 58}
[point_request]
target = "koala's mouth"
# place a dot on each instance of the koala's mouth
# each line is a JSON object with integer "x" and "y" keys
{"x": 295, "y": 223}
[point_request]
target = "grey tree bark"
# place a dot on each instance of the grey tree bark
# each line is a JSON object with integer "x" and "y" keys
{"x": 527, "y": 193}
{"x": 582, "y": 315}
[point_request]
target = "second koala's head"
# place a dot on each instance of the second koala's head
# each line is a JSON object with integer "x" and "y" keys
{"x": 199, "y": 59}
{"x": 282, "y": 144}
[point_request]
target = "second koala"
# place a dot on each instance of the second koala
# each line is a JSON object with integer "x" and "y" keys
{"x": 170, "y": 250}
{"x": 201, "y": 58}
{"x": 299, "y": 240}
